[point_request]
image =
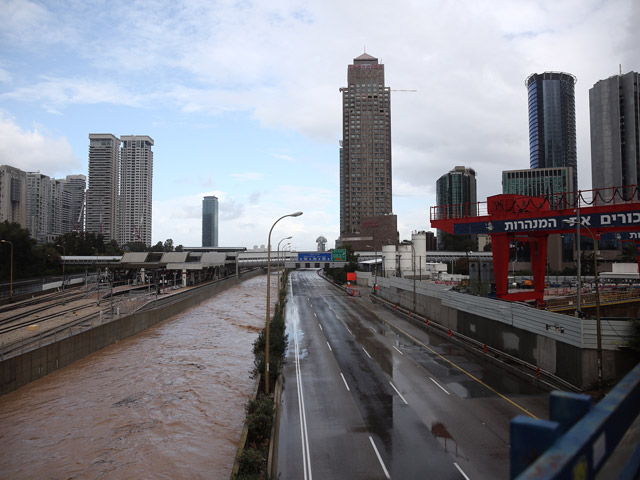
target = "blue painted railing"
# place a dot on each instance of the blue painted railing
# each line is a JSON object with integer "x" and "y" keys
{"x": 579, "y": 437}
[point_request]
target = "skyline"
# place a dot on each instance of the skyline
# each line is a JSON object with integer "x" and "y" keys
{"x": 242, "y": 100}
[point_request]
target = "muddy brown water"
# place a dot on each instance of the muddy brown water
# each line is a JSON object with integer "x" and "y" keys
{"x": 165, "y": 404}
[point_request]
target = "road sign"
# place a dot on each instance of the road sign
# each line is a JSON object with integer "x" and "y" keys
{"x": 314, "y": 257}
{"x": 339, "y": 255}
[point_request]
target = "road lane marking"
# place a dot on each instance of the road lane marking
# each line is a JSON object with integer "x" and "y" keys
{"x": 314, "y": 313}
{"x": 329, "y": 346}
{"x": 373, "y": 330}
{"x": 386, "y": 473}
{"x": 452, "y": 363}
{"x": 348, "y": 330}
{"x": 441, "y": 387}
{"x": 398, "y": 350}
{"x": 306, "y": 455}
{"x": 345, "y": 382}
{"x": 365, "y": 351}
{"x": 460, "y": 470}
{"x": 399, "y": 394}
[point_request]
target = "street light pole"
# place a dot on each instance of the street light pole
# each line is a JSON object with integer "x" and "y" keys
{"x": 11, "y": 273}
{"x": 278, "y": 268}
{"x": 595, "y": 273}
{"x": 266, "y": 353}
{"x": 64, "y": 254}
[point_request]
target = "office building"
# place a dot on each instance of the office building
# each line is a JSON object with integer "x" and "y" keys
{"x": 540, "y": 182}
{"x": 365, "y": 153}
{"x": 210, "y": 221}
{"x": 13, "y": 195}
{"x": 552, "y": 121}
{"x": 456, "y": 192}
{"x": 614, "y": 108}
{"x": 102, "y": 192}
{"x": 136, "y": 188}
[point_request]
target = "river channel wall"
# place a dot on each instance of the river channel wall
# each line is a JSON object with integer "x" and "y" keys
{"x": 559, "y": 344}
{"x": 29, "y": 366}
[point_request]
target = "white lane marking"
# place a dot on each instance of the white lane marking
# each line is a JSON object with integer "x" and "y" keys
{"x": 350, "y": 333}
{"x": 306, "y": 455}
{"x": 329, "y": 346}
{"x": 320, "y": 327}
{"x": 386, "y": 473}
{"x": 373, "y": 329}
{"x": 315, "y": 315}
{"x": 399, "y": 394}
{"x": 398, "y": 350}
{"x": 365, "y": 351}
{"x": 441, "y": 387}
{"x": 460, "y": 470}
{"x": 345, "y": 382}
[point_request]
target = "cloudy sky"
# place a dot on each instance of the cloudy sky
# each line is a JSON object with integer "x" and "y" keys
{"x": 242, "y": 101}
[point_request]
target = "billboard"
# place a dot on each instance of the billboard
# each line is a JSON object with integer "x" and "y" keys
{"x": 314, "y": 257}
{"x": 339, "y": 255}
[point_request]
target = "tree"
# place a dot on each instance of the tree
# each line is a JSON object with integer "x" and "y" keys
{"x": 24, "y": 260}
{"x": 168, "y": 245}
{"x": 158, "y": 247}
{"x": 457, "y": 243}
{"x": 179, "y": 248}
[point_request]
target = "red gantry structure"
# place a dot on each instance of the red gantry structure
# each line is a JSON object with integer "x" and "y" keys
{"x": 532, "y": 219}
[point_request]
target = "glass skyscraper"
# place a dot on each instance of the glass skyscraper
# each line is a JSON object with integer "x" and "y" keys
{"x": 552, "y": 121}
{"x": 457, "y": 192}
{"x": 210, "y": 221}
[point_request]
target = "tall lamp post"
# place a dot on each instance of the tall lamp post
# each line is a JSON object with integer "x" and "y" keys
{"x": 11, "y": 273}
{"x": 278, "y": 268}
{"x": 266, "y": 353}
{"x": 64, "y": 254}
{"x": 413, "y": 260}
{"x": 375, "y": 268}
{"x": 579, "y": 223}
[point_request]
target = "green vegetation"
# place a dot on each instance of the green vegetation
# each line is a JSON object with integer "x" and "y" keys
{"x": 261, "y": 411}
{"x": 31, "y": 260}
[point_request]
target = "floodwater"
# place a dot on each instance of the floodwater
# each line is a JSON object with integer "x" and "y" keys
{"x": 165, "y": 404}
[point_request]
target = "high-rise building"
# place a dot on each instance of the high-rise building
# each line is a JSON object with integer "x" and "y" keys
{"x": 102, "y": 194}
{"x": 76, "y": 186}
{"x": 539, "y": 182}
{"x": 365, "y": 153}
{"x": 552, "y": 121}
{"x": 210, "y": 221}
{"x": 59, "y": 205}
{"x": 457, "y": 191}
{"x": 13, "y": 195}
{"x": 614, "y": 107}
{"x": 136, "y": 189}
{"x": 39, "y": 206}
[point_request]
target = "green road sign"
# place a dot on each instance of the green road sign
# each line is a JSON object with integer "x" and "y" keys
{"x": 339, "y": 255}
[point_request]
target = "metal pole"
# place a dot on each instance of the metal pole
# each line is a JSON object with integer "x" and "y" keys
{"x": 266, "y": 353}
{"x": 11, "y": 274}
{"x": 579, "y": 293}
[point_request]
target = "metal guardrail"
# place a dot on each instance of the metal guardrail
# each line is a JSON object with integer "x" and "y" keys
{"x": 579, "y": 437}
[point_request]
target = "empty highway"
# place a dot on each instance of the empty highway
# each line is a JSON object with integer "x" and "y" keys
{"x": 368, "y": 395}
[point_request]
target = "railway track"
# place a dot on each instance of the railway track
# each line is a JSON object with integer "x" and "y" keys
{"x": 9, "y": 325}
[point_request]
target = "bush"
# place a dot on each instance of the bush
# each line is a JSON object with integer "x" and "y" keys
{"x": 251, "y": 462}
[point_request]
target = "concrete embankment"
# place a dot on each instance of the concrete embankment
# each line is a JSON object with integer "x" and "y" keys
{"x": 22, "y": 369}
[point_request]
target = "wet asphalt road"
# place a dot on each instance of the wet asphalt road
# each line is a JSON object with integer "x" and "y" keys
{"x": 365, "y": 400}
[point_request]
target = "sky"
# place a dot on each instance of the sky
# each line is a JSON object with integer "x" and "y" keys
{"x": 242, "y": 98}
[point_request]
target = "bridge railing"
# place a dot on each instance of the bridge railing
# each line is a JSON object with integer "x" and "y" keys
{"x": 579, "y": 437}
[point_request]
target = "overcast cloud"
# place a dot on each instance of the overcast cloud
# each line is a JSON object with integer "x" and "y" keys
{"x": 195, "y": 74}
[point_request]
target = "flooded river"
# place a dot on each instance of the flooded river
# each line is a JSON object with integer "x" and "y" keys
{"x": 165, "y": 404}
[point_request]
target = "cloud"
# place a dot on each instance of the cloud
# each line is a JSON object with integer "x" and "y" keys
{"x": 248, "y": 176}
{"x": 34, "y": 150}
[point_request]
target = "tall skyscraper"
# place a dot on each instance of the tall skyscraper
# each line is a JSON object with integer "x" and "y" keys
{"x": 552, "y": 121}
{"x": 365, "y": 153}
{"x": 210, "y": 221}
{"x": 102, "y": 194}
{"x": 76, "y": 186}
{"x": 136, "y": 189}
{"x": 13, "y": 195}
{"x": 39, "y": 206}
{"x": 457, "y": 191}
{"x": 614, "y": 107}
